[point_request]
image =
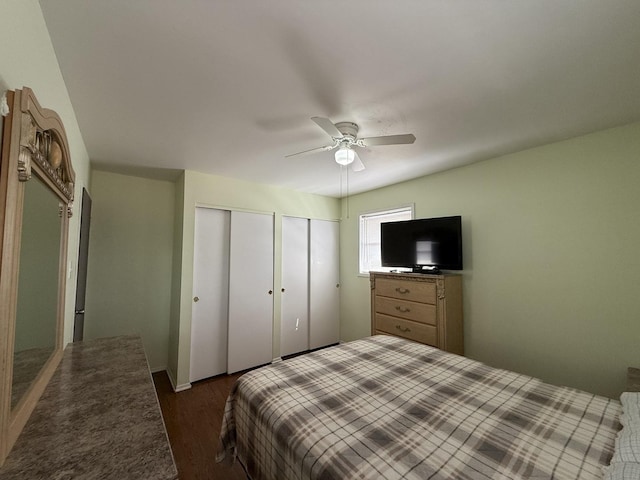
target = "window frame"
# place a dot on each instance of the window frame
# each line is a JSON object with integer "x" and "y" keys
{"x": 362, "y": 217}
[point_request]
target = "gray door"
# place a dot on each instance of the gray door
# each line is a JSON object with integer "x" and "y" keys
{"x": 83, "y": 255}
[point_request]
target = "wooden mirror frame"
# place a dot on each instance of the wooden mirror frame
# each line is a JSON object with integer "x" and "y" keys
{"x": 25, "y": 153}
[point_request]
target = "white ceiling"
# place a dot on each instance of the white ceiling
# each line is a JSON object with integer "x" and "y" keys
{"x": 228, "y": 87}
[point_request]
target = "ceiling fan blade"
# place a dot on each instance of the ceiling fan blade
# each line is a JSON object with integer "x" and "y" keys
{"x": 312, "y": 150}
{"x": 357, "y": 164}
{"x": 328, "y": 126}
{"x": 389, "y": 140}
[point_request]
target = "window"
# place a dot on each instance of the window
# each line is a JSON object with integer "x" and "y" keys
{"x": 370, "y": 236}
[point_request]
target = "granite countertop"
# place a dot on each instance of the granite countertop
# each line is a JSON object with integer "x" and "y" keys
{"x": 98, "y": 418}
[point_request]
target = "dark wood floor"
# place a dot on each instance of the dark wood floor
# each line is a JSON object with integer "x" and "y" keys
{"x": 193, "y": 419}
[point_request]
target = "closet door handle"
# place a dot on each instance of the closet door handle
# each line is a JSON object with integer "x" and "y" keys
{"x": 270, "y": 292}
{"x": 196, "y": 299}
{"x": 282, "y": 290}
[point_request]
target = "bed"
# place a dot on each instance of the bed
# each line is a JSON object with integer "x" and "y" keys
{"x": 387, "y": 408}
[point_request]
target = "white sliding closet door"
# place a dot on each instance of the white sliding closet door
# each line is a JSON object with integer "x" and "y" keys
{"x": 250, "y": 291}
{"x": 324, "y": 278}
{"x": 210, "y": 294}
{"x": 295, "y": 286}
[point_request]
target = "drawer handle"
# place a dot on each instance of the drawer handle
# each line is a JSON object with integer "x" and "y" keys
{"x": 403, "y": 329}
{"x": 403, "y": 309}
{"x": 402, "y": 290}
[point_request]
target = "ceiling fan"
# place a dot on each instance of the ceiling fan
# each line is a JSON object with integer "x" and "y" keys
{"x": 345, "y": 138}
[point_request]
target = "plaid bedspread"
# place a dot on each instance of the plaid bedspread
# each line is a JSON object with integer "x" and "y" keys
{"x": 387, "y": 408}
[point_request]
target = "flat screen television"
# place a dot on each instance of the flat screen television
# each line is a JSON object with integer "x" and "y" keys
{"x": 425, "y": 244}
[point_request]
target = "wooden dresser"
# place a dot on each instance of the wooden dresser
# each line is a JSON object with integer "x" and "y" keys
{"x": 419, "y": 307}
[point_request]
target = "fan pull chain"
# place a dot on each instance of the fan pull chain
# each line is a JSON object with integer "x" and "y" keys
{"x": 344, "y": 182}
{"x": 346, "y": 169}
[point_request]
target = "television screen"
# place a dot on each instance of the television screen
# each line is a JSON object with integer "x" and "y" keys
{"x": 425, "y": 242}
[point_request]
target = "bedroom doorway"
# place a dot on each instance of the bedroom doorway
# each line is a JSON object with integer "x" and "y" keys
{"x": 83, "y": 256}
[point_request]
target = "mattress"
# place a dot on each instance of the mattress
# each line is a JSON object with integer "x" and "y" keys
{"x": 387, "y": 408}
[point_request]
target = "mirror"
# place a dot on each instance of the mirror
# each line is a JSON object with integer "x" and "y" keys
{"x": 36, "y": 312}
{"x": 36, "y": 197}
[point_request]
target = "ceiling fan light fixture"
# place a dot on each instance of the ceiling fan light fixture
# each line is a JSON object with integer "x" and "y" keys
{"x": 345, "y": 155}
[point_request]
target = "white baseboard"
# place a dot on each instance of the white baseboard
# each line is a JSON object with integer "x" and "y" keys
{"x": 177, "y": 388}
{"x": 181, "y": 388}
{"x": 276, "y": 360}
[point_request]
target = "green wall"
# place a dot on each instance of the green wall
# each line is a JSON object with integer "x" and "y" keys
{"x": 130, "y": 261}
{"x": 27, "y": 59}
{"x": 219, "y": 192}
{"x": 551, "y": 258}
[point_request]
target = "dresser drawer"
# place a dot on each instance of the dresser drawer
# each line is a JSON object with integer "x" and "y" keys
{"x": 407, "y": 290}
{"x": 418, "y": 332}
{"x": 419, "y": 312}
